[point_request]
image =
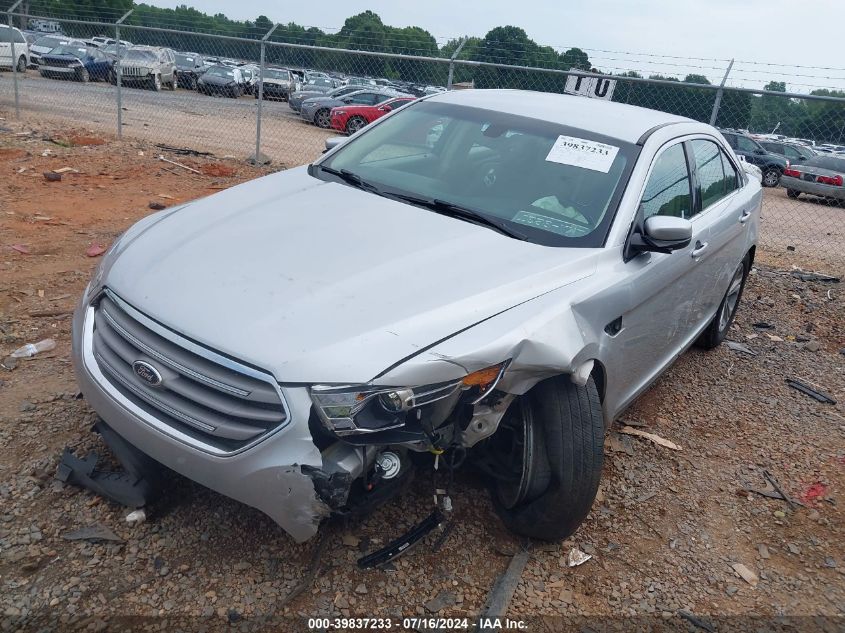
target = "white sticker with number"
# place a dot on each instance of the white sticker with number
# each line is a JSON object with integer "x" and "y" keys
{"x": 579, "y": 152}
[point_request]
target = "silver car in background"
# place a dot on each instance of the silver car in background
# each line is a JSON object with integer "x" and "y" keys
{"x": 487, "y": 276}
{"x": 822, "y": 176}
{"x": 149, "y": 66}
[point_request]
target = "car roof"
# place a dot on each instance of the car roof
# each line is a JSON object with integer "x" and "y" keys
{"x": 616, "y": 120}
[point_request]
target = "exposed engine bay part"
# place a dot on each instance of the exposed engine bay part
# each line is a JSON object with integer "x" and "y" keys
{"x": 485, "y": 419}
{"x": 136, "y": 486}
{"x": 389, "y": 463}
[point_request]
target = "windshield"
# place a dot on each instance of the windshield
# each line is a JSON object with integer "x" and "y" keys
{"x": 320, "y": 82}
{"x": 220, "y": 71}
{"x": 826, "y": 162}
{"x": 272, "y": 73}
{"x": 556, "y": 185}
{"x": 146, "y": 56}
{"x": 185, "y": 60}
{"x": 75, "y": 51}
{"x": 49, "y": 42}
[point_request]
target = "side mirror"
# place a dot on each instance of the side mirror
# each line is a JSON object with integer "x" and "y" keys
{"x": 334, "y": 141}
{"x": 385, "y": 108}
{"x": 658, "y": 234}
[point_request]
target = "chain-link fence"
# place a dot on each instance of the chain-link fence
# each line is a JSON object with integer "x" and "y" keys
{"x": 244, "y": 97}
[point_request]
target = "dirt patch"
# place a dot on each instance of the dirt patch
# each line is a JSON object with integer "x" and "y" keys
{"x": 85, "y": 141}
{"x": 7, "y": 153}
{"x": 215, "y": 169}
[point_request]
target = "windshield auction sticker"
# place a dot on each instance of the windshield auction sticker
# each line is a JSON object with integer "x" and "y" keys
{"x": 579, "y": 152}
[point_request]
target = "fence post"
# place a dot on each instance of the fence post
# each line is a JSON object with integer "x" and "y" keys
{"x": 264, "y": 39}
{"x": 717, "y": 104}
{"x": 119, "y": 73}
{"x": 452, "y": 63}
{"x": 14, "y": 60}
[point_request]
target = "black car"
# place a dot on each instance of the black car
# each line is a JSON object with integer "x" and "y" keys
{"x": 772, "y": 165}
{"x": 190, "y": 67}
{"x": 221, "y": 80}
{"x": 790, "y": 151}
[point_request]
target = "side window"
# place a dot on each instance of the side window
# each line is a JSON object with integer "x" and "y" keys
{"x": 667, "y": 191}
{"x": 731, "y": 139}
{"x": 731, "y": 177}
{"x": 746, "y": 144}
{"x": 711, "y": 175}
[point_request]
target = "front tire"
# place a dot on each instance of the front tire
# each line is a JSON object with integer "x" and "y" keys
{"x": 323, "y": 118}
{"x": 717, "y": 331}
{"x": 83, "y": 75}
{"x": 791, "y": 193}
{"x": 771, "y": 178}
{"x": 21, "y": 65}
{"x": 156, "y": 83}
{"x": 556, "y": 434}
{"x": 354, "y": 124}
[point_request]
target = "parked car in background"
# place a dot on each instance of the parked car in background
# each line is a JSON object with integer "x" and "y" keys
{"x": 249, "y": 74}
{"x": 81, "y": 63}
{"x": 770, "y": 164}
{"x": 363, "y": 82}
{"x": 8, "y": 37}
{"x": 318, "y": 85}
{"x": 790, "y": 151}
{"x": 223, "y": 81}
{"x": 45, "y": 44}
{"x": 297, "y": 98}
{"x": 822, "y": 176}
{"x": 149, "y": 66}
{"x": 351, "y": 118}
{"x": 317, "y": 110}
{"x": 499, "y": 302}
{"x": 276, "y": 83}
{"x": 830, "y": 148}
{"x": 115, "y": 50}
{"x": 189, "y": 66}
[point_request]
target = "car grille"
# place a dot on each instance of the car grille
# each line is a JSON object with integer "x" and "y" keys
{"x": 132, "y": 71}
{"x": 201, "y": 394}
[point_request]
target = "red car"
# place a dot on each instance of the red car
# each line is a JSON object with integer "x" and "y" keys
{"x": 351, "y": 118}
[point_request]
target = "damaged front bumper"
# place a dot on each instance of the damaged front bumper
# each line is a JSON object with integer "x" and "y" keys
{"x": 271, "y": 476}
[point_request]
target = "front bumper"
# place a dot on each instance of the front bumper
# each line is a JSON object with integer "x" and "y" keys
{"x": 813, "y": 188}
{"x": 267, "y": 476}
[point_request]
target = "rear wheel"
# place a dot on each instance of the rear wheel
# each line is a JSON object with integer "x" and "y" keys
{"x": 21, "y": 64}
{"x": 354, "y": 124}
{"x": 717, "y": 331}
{"x": 792, "y": 193}
{"x": 771, "y": 178}
{"x": 173, "y": 81}
{"x": 546, "y": 459}
{"x": 323, "y": 118}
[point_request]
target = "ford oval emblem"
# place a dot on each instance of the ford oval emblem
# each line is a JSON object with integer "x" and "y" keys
{"x": 147, "y": 373}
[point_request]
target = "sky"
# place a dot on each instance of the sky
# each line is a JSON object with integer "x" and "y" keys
{"x": 644, "y": 35}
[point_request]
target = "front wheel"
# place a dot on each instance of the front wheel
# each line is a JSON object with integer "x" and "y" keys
{"x": 771, "y": 178}
{"x": 173, "y": 81}
{"x": 83, "y": 75}
{"x": 791, "y": 193}
{"x": 717, "y": 331}
{"x": 323, "y": 118}
{"x": 354, "y": 124}
{"x": 156, "y": 85}
{"x": 546, "y": 459}
{"x": 21, "y": 65}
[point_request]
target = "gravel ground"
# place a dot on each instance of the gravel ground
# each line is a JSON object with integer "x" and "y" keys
{"x": 664, "y": 534}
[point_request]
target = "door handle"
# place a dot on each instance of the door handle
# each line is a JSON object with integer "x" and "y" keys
{"x": 700, "y": 247}
{"x": 746, "y": 215}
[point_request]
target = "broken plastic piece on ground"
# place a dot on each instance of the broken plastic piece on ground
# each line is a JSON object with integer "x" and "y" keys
{"x": 576, "y": 557}
{"x": 396, "y": 548}
{"x": 31, "y": 349}
{"x": 136, "y": 516}
{"x": 134, "y": 487}
{"x": 696, "y": 621}
{"x": 814, "y": 492}
{"x": 806, "y": 389}
{"x": 96, "y": 532}
{"x": 739, "y": 347}
{"x": 651, "y": 436}
{"x": 746, "y": 574}
{"x": 51, "y": 176}
{"x": 804, "y": 276}
{"x": 95, "y": 250}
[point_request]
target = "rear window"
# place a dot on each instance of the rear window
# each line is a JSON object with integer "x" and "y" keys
{"x": 7, "y": 35}
{"x": 826, "y": 162}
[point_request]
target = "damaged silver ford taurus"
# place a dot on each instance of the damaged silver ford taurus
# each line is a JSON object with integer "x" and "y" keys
{"x": 489, "y": 276}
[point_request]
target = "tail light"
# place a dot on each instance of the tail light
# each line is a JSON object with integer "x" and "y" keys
{"x": 792, "y": 173}
{"x": 830, "y": 180}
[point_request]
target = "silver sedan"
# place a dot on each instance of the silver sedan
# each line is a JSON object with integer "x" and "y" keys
{"x": 822, "y": 176}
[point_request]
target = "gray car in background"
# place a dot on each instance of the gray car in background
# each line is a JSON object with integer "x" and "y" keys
{"x": 148, "y": 66}
{"x": 822, "y": 176}
{"x": 317, "y": 110}
{"x": 489, "y": 276}
{"x": 297, "y": 98}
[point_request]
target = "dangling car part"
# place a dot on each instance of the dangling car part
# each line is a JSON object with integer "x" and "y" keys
{"x": 496, "y": 274}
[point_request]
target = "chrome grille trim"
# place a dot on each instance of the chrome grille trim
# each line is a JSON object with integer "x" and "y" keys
{"x": 169, "y": 361}
{"x": 230, "y": 422}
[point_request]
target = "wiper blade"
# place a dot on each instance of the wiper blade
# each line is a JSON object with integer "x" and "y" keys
{"x": 457, "y": 211}
{"x": 350, "y": 178}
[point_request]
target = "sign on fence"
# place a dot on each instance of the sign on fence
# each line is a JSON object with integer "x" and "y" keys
{"x": 592, "y": 87}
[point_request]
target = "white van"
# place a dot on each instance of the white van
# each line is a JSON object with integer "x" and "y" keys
{"x": 7, "y": 36}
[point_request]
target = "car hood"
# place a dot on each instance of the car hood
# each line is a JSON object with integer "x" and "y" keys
{"x": 321, "y": 282}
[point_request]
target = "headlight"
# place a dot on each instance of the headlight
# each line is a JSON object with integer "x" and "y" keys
{"x": 350, "y": 410}
{"x": 75, "y": 64}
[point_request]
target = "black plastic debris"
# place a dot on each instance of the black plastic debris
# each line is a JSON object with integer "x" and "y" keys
{"x": 808, "y": 390}
{"x": 96, "y": 532}
{"x": 135, "y": 487}
{"x": 404, "y": 543}
{"x": 798, "y": 274}
{"x": 762, "y": 325}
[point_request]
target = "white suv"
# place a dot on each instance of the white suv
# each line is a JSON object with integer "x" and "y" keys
{"x": 9, "y": 35}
